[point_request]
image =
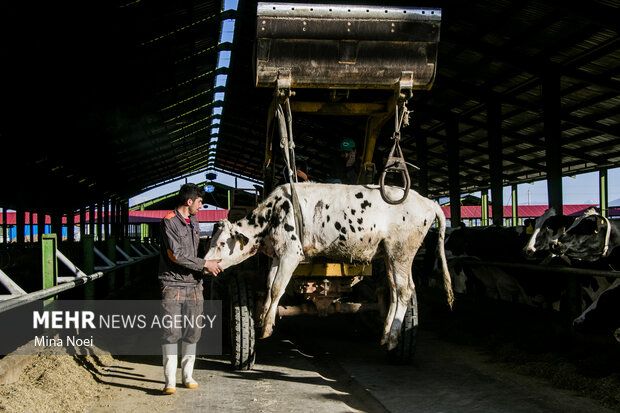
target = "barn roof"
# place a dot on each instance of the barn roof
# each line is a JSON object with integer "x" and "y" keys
{"x": 103, "y": 99}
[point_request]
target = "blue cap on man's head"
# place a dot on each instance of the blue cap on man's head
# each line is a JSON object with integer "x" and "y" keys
{"x": 347, "y": 144}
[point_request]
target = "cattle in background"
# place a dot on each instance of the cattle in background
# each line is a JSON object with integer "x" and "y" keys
{"x": 547, "y": 229}
{"x": 496, "y": 243}
{"x": 343, "y": 222}
{"x": 493, "y": 243}
{"x": 604, "y": 313}
{"x": 591, "y": 238}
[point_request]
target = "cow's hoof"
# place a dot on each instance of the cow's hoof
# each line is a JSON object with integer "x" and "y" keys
{"x": 267, "y": 332}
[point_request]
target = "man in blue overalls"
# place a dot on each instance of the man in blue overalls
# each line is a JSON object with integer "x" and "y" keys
{"x": 180, "y": 277}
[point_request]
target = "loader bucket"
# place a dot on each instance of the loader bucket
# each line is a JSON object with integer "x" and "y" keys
{"x": 346, "y": 47}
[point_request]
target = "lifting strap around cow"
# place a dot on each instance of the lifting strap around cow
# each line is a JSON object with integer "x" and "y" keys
{"x": 284, "y": 118}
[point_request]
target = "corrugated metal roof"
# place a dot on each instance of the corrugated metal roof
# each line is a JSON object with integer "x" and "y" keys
{"x": 102, "y": 99}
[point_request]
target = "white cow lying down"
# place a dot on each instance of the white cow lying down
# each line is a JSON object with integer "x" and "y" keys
{"x": 348, "y": 223}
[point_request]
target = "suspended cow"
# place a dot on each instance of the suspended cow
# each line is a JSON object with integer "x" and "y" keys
{"x": 348, "y": 223}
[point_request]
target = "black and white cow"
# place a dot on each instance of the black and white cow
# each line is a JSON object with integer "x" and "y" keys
{"x": 592, "y": 237}
{"x": 492, "y": 243}
{"x": 548, "y": 228}
{"x": 343, "y": 222}
{"x": 604, "y": 313}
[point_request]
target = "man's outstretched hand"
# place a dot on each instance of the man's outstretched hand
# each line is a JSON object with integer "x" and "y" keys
{"x": 212, "y": 267}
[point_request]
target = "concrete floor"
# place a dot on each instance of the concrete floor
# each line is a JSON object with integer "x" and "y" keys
{"x": 330, "y": 365}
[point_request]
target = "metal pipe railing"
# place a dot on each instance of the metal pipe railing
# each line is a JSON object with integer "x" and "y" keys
{"x": 67, "y": 283}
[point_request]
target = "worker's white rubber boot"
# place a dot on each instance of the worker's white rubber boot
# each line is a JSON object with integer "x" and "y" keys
{"x": 188, "y": 352}
{"x": 170, "y": 368}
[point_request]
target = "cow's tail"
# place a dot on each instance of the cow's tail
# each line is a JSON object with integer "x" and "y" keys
{"x": 447, "y": 282}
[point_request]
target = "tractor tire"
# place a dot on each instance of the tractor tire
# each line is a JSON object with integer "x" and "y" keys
{"x": 404, "y": 351}
{"x": 242, "y": 333}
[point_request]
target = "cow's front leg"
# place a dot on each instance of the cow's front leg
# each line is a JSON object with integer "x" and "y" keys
{"x": 275, "y": 263}
{"x": 288, "y": 263}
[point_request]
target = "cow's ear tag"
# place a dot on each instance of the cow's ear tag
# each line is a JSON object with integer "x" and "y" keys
{"x": 529, "y": 230}
{"x": 562, "y": 230}
{"x": 602, "y": 222}
{"x": 596, "y": 231}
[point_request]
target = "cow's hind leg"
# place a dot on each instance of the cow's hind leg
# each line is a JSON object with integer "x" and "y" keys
{"x": 389, "y": 267}
{"x": 275, "y": 263}
{"x": 288, "y": 263}
{"x": 403, "y": 288}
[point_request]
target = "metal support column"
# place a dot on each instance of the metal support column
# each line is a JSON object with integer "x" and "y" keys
{"x": 111, "y": 254}
{"x": 106, "y": 219}
{"x": 553, "y": 137}
{"x": 125, "y": 218}
{"x": 453, "y": 173}
{"x": 515, "y": 206}
{"x": 91, "y": 220}
{"x": 100, "y": 228}
{"x": 127, "y": 249}
{"x": 5, "y": 226}
{"x": 20, "y": 223}
{"x": 82, "y": 223}
{"x": 56, "y": 223}
{"x": 494, "y": 127}
{"x": 30, "y": 225}
{"x": 49, "y": 243}
{"x": 71, "y": 226}
{"x": 113, "y": 218}
{"x": 484, "y": 207}
{"x": 88, "y": 248}
{"x": 603, "y": 191}
{"x": 40, "y": 224}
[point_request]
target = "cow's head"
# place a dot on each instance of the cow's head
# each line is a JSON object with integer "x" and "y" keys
{"x": 541, "y": 236}
{"x": 587, "y": 239}
{"x": 229, "y": 245}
